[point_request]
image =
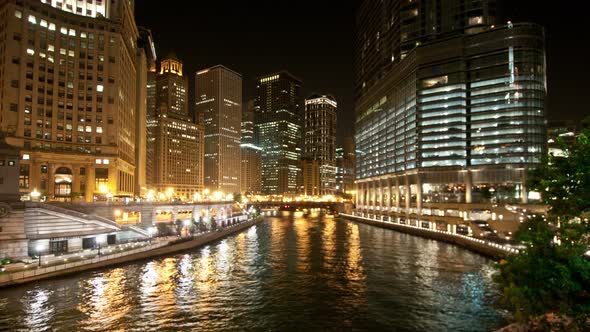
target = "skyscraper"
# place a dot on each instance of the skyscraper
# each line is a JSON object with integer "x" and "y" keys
{"x": 320, "y": 145}
{"x": 179, "y": 141}
{"x": 73, "y": 89}
{"x": 219, "y": 100}
{"x": 345, "y": 166}
{"x": 147, "y": 43}
{"x": 251, "y": 152}
{"x": 450, "y": 108}
{"x": 279, "y": 124}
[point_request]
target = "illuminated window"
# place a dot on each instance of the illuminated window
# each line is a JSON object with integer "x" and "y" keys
{"x": 18, "y": 13}
{"x": 32, "y": 19}
{"x": 99, "y": 88}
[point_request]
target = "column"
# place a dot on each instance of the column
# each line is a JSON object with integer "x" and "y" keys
{"x": 397, "y": 193}
{"x": 468, "y": 185}
{"x": 523, "y": 190}
{"x": 419, "y": 193}
{"x": 50, "y": 180}
{"x": 90, "y": 182}
{"x": 408, "y": 193}
{"x": 388, "y": 194}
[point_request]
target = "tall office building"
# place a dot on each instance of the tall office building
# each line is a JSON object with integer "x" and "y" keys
{"x": 279, "y": 125}
{"x": 72, "y": 86}
{"x": 179, "y": 141}
{"x": 219, "y": 100}
{"x": 251, "y": 181}
{"x": 147, "y": 43}
{"x": 319, "y": 178}
{"x": 345, "y": 166}
{"x": 450, "y": 108}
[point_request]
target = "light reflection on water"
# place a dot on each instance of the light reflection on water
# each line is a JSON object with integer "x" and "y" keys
{"x": 284, "y": 274}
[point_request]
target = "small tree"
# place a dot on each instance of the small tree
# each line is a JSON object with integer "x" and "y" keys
{"x": 551, "y": 274}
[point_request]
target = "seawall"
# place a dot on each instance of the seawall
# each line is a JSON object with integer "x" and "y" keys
{"x": 120, "y": 258}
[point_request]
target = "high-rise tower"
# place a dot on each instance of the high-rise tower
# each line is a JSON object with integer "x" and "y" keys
{"x": 219, "y": 100}
{"x": 279, "y": 123}
{"x": 450, "y": 108}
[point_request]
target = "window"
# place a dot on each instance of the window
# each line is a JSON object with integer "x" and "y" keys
{"x": 23, "y": 178}
{"x": 44, "y": 169}
{"x": 18, "y": 14}
{"x": 82, "y": 170}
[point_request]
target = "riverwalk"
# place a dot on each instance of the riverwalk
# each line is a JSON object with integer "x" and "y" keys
{"x": 483, "y": 247}
{"x": 110, "y": 257}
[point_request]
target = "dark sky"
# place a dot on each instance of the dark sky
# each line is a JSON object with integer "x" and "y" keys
{"x": 314, "y": 41}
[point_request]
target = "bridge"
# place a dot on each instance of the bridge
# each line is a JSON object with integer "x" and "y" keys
{"x": 298, "y": 205}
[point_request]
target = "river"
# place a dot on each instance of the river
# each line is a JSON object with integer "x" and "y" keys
{"x": 283, "y": 274}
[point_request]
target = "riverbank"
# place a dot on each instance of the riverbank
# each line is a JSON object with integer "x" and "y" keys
{"x": 150, "y": 251}
{"x": 486, "y": 248}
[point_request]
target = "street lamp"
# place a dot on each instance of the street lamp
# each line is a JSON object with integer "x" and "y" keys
{"x": 39, "y": 247}
{"x": 35, "y": 194}
{"x": 151, "y": 232}
{"x": 99, "y": 241}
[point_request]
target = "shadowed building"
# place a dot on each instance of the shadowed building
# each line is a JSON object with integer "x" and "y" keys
{"x": 251, "y": 152}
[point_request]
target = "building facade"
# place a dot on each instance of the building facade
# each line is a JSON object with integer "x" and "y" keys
{"x": 448, "y": 116}
{"x": 320, "y": 145}
{"x": 219, "y": 100}
{"x": 73, "y": 85}
{"x": 251, "y": 181}
{"x": 279, "y": 125}
{"x": 147, "y": 43}
{"x": 345, "y": 166}
{"x": 179, "y": 142}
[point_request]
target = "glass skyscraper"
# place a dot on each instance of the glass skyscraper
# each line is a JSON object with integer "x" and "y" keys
{"x": 278, "y": 122}
{"x": 450, "y": 109}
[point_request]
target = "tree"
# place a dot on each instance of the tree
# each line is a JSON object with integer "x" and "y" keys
{"x": 564, "y": 181}
{"x": 551, "y": 273}
{"x": 178, "y": 224}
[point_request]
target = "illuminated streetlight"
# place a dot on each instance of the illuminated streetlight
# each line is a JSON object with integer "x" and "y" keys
{"x": 39, "y": 247}
{"x": 197, "y": 197}
{"x": 35, "y": 194}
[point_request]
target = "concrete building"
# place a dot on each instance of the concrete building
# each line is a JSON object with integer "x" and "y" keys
{"x": 279, "y": 124}
{"x": 219, "y": 100}
{"x": 73, "y": 86}
{"x": 178, "y": 140}
{"x": 450, "y": 110}
{"x": 251, "y": 180}
{"x": 320, "y": 145}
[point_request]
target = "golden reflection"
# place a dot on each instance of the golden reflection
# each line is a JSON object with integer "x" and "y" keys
{"x": 105, "y": 300}
{"x": 159, "y": 281}
{"x": 303, "y": 243}
{"x": 205, "y": 273}
{"x": 354, "y": 264}
{"x": 328, "y": 244}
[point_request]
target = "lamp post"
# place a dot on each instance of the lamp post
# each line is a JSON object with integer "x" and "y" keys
{"x": 39, "y": 248}
{"x": 99, "y": 241}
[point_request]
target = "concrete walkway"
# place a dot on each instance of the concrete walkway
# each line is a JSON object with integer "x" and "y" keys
{"x": 154, "y": 249}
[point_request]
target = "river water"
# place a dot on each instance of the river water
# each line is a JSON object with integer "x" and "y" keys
{"x": 283, "y": 274}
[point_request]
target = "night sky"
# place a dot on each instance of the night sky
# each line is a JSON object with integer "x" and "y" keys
{"x": 314, "y": 41}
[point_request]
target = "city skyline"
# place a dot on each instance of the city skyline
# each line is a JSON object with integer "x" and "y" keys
{"x": 330, "y": 71}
